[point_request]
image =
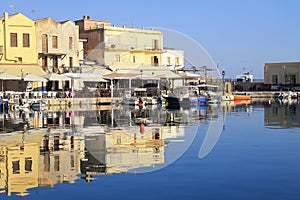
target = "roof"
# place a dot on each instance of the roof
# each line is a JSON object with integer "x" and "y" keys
{"x": 149, "y": 70}
{"x": 116, "y": 75}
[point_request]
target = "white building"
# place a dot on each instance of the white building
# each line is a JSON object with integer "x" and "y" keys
{"x": 174, "y": 59}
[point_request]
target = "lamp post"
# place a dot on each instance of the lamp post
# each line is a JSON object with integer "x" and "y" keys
{"x": 142, "y": 77}
{"x": 223, "y": 74}
{"x": 22, "y": 79}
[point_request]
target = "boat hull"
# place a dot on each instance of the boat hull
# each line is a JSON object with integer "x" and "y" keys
{"x": 172, "y": 102}
{"x": 241, "y": 97}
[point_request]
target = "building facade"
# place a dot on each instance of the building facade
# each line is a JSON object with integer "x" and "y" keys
{"x": 18, "y": 167}
{"x": 18, "y": 45}
{"x": 58, "y": 45}
{"x": 286, "y": 73}
{"x": 174, "y": 59}
{"x": 18, "y": 51}
{"x": 110, "y": 45}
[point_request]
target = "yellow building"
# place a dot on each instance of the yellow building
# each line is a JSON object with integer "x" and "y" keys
{"x": 18, "y": 166}
{"x": 18, "y": 45}
{"x": 18, "y": 50}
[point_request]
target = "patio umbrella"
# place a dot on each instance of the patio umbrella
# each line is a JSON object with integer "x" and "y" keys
{"x": 34, "y": 78}
{"x": 7, "y": 76}
{"x": 56, "y": 77}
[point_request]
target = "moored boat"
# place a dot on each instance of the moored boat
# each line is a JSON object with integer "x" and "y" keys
{"x": 241, "y": 97}
{"x": 203, "y": 94}
{"x": 172, "y": 101}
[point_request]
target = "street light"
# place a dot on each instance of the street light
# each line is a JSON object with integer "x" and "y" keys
{"x": 22, "y": 79}
{"x": 223, "y": 74}
{"x": 142, "y": 76}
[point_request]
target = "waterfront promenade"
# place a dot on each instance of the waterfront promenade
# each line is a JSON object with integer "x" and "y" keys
{"x": 96, "y": 102}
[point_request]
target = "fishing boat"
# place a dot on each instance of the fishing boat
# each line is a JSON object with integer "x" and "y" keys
{"x": 172, "y": 102}
{"x": 195, "y": 95}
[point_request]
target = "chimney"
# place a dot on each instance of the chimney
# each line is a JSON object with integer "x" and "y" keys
{"x": 86, "y": 17}
{"x": 5, "y": 16}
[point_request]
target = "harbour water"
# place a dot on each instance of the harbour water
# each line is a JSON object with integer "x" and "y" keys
{"x": 231, "y": 151}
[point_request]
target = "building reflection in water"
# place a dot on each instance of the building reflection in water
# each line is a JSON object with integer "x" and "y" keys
{"x": 61, "y": 144}
{"x": 19, "y": 163}
{"x": 282, "y": 115}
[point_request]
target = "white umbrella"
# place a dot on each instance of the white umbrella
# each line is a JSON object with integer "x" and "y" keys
{"x": 7, "y": 76}
{"x": 56, "y": 77}
{"x": 86, "y": 77}
{"x": 34, "y": 78}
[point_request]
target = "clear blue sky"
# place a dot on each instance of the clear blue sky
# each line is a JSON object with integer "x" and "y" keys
{"x": 237, "y": 34}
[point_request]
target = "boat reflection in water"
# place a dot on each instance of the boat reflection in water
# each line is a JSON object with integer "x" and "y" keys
{"x": 61, "y": 146}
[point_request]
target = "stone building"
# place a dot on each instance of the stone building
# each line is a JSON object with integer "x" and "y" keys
{"x": 286, "y": 73}
{"x": 110, "y": 45}
{"x": 58, "y": 45}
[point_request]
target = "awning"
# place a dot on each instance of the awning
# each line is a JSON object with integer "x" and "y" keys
{"x": 16, "y": 69}
{"x": 116, "y": 75}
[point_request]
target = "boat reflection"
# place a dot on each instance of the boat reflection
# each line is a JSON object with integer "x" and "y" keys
{"x": 62, "y": 146}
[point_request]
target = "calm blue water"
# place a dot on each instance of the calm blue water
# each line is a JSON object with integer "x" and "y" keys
{"x": 255, "y": 157}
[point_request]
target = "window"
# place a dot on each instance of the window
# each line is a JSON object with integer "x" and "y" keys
{"x": 55, "y": 61}
{"x": 176, "y": 61}
{"x": 275, "y": 79}
{"x": 56, "y": 163}
{"x": 72, "y": 161}
{"x": 70, "y": 61}
{"x": 54, "y": 42}
{"x": 28, "y": 164}
{"x": 47, "y": 162}
{"x": 26, "y": 40}
{"x": 154, "y": 60}
{"x": 70, "y": 43}
{"x": 45, "y": 43}
{"x": 292, "y": 79}
{"x": 155, "y": 44}
{"x": 16, "y": 167}
{"x": 168, "y": 61}
{"x": 44, "y": 61}
{"x": 13, "y": 40}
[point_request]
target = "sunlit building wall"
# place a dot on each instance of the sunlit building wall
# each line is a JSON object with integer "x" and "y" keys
{"x": 18, "y": 49}
{"x": 58, "y": 45}
{"x": 282, "y": 73}
{"x": 121, "y": 46}
{"x": 19, "y": 167}
{"x": 174, "y": 59}
{"x": 132, "y": 149}
{"x": 60, "y": 159}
